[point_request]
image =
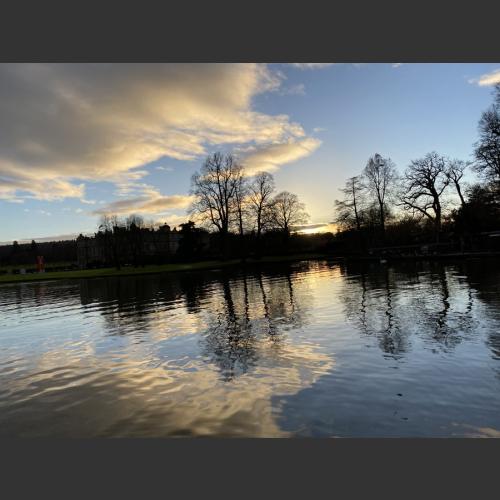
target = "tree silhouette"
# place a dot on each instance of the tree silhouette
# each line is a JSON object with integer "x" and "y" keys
{"x": 487, "y": 149}
{"x": 424, "y": 182}
{"x": 349, "y": 209}
{"x": 455, "y": 172}
{"x": 380, "y": 174}
{"x": 260, "y": 203}
{"x": 215, "y": 189}
{"x": 288, "y": 211}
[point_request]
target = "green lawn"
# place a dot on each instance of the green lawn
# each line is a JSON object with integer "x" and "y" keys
{"x": 164, "y": 268}
{"x": 33, "y": 265}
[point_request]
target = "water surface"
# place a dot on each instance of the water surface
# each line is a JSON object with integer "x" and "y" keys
{"x": 306, "y": 349}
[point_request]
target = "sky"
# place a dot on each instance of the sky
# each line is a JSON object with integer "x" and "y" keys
{"x": 81, "y": 140}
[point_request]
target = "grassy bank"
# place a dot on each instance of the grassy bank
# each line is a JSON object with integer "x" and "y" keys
{"x": 164, "y": 268}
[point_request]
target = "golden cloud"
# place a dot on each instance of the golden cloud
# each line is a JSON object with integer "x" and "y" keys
{"x": 152, "y": 203}
{"x": 270, "y": 158}
{"x": 487, "y": 79}
{"x": 67, "y": 123}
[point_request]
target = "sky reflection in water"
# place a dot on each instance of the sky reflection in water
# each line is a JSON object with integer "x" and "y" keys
{"x": 309, "y": 349}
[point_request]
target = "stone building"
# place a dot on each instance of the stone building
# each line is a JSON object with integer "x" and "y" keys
{"x": 129, "y": 245}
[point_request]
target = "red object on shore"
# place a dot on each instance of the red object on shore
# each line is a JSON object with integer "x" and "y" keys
{"x": 40, "y": 264}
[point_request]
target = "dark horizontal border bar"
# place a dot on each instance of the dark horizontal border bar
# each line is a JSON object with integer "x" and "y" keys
{"x": 248, "y": 32}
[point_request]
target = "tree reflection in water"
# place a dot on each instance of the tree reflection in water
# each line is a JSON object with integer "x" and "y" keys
{"x": 250, "y": 317}
{"x": 237, "y": 315}
{"x": 256, "y": 351}
{"x": 428, "y": 300}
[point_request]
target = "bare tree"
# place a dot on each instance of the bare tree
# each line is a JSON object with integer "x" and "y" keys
{"x": 259, "y": 200}
{"x": 214, "y": 188}
{"x": 106, "y": 223}
{"x": 134, "y": 220}
{"x": 288, "y": 211}
{"x": 455, "y": 172}
{"x": 487, "y": 149}
{"x": 240, "y": 195}
{"x": 349, "y": 210}
{"x": 424, "y": 182}
{"x": 380, "y": 174}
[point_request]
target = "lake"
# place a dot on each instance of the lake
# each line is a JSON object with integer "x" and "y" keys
{"x": 309, "y": 349}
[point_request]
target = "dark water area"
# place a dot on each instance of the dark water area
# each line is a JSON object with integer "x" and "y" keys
{"x": 306, "y": 349}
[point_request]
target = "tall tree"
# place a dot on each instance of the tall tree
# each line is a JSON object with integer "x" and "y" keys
{"x": 288, "y": 211}
{"x": 455, "y": 171}
{"x": 214, "y": 189}
{"x": 424, "y": 182}
{"x": 349, "y": 209}
{"x": 487, "y": 149}
{"x": 380, "y": 175}
{"x": 134, "y": 220}
{"x": 240, "y": 195}
{"x": 260, "y": 200}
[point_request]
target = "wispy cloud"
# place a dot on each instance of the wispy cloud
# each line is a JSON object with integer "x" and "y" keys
{"x": 298, "y": 89}
{"x": 59, "y": 237}
{"x": 487, "y": 79}
{"x": 397, "y": 65}
{"x": 67, "y": 124}
{"x": 271, "y": 158}
{"x": 152, "y": 202}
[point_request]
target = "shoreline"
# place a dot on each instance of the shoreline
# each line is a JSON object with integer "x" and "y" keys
{"x": 156, "y": 269}
{"x": 444, "y": 256}
{"x": 110, "y": 272}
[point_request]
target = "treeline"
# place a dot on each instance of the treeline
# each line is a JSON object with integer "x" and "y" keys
{"x": 230, "y": 202}
{"x": 430, "y": 202}
{"x": 240, "y": 216}
{"x": 131, "y": 241}
{"x": 54, "y": 252}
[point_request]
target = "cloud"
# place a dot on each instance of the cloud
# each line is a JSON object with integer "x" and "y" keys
{"x": 397, "y": 65}
{"x": 298, "y": 89}
{"x": 311, "y": 65}
{"x": 173, "y": 220}
{"x": 271, "y": 157}
{"x": 67, "y": 124}
{"x": 59, "y": 237}
{"x": 487, "y": 79}
{"x": 33, "y": 184}
{"x": 165, "y": 169}
{"x": 151, "y": 202}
